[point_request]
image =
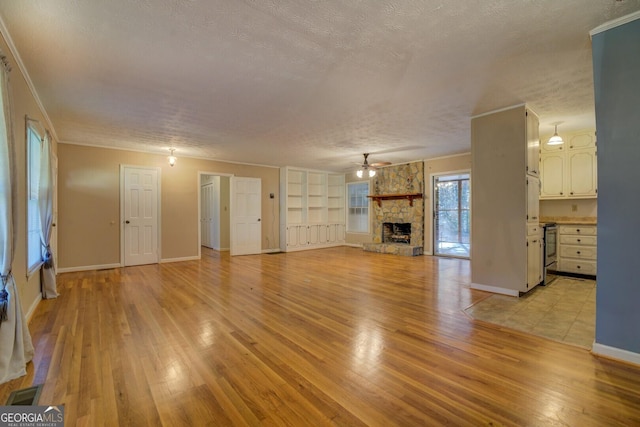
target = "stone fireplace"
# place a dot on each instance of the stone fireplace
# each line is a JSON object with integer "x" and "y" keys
{"x": 397, "y": 210}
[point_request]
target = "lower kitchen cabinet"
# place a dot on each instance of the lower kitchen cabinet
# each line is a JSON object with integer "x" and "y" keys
{"x": 577, "y": 249}
{"x": 534, "y": 260}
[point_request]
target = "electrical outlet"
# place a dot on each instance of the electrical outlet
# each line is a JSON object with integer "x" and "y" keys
{"x": 574, "y": 208}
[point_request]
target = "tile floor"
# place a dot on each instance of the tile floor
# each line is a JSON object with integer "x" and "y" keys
{"x": 564, "y": 310}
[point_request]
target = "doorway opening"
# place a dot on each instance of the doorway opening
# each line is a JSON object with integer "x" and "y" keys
{"x": 214, "y": 211}
{"x": 452, "y": 215}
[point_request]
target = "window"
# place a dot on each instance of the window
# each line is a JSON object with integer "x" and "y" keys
{"x": 34, "y": 253}
{"x": 358, "y": 207}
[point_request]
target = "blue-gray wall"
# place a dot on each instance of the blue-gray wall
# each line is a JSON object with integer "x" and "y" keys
{"x": 616, "y": 65}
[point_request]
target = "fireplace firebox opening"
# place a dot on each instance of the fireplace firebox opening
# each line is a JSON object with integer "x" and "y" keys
{"x": 396, "y": 232}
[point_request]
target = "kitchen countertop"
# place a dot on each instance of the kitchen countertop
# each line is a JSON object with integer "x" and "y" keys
{"x": 583, "y": 220}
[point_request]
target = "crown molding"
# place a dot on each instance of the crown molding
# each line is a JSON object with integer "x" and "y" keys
{"x": 16, "y": 56}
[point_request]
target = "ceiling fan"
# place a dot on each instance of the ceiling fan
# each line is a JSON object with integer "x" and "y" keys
{"x": 369, "y": 169}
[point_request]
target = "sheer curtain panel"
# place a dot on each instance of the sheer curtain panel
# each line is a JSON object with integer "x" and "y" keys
{"x": 16, "y": 348}
{"x": 45, "y": 208}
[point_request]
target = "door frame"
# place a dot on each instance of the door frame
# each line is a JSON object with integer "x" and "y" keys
{"x": 432, "y": 206}
{"x": 54, "y": 224}
{"x": 200, "y": 175}
{"x": 158, "y": 209}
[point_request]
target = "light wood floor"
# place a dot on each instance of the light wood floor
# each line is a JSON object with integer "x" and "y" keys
{"x": 325, "y": 337}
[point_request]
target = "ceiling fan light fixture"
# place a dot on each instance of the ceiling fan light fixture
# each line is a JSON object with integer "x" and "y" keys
{"x": 366, "y": 168}
{"x": 555, "y": 139}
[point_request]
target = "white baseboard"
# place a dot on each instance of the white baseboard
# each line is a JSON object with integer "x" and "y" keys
{"x": 353, "y": 245}
{"x": 186, "y": 258}
{"x": 32, "y": 307}
{"x": 87, "y": 268}
{"x": 495, "y": 289}
{"x": 615, "y": 353}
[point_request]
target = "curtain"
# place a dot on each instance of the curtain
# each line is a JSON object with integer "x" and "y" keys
{"x": 45, "y": 208}
{"x": 16, "y": 348}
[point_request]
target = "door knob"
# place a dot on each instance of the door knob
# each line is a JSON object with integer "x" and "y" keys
{"x": 126, "y": 222}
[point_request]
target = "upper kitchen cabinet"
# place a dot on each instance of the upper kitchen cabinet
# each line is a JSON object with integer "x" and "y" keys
{"x": 533, "y": 145}
{"x": 506, "y": 256}
{"x": 570, "y": 171}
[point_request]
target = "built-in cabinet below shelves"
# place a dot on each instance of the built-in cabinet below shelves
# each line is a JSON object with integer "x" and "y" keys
{"x": 569, "y": 171}
{"x": 312, "y": 209}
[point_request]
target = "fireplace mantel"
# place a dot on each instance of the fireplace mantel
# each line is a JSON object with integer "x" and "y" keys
{"x": 409, "y": 196}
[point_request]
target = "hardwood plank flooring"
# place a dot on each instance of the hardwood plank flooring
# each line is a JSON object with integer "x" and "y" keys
{"x": 325, "y": 337}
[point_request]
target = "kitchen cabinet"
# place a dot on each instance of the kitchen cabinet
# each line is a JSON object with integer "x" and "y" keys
{"x": 505, "y": 244}
{"x": 534, "y": 260}
{"x": 582, "y": 179}
{"x": 570, "y": 172}
{"x": 533, "y": 146}
{"x": 312, "y": 209}
{"x": 533, "y": 199}
{"x": 552, "y": 172}
{"x": 577, "y": 249}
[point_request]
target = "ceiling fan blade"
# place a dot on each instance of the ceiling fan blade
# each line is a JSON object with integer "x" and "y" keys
{"x": 379, "y": 164}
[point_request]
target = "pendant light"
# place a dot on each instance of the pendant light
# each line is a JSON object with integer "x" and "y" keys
{"x": 555, "y": 139}
{"x": 172, "y": 158}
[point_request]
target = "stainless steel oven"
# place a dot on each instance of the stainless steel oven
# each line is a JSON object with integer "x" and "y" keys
{"x": 550, "y": 254}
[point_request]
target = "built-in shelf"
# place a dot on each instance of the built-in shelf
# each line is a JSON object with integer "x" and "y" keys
{"x": 410, "y": 197}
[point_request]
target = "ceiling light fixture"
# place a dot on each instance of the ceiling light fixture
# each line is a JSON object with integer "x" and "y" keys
{"x": 555, "y": 139}
{"x": 365, "y": 167}
{"x": 360, "y": 173}
{"x": 172, "y": 158}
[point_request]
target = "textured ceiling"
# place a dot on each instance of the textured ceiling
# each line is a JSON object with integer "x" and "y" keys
{"x": 304, "y": 83}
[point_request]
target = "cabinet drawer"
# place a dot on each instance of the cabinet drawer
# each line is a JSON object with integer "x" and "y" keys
{"x": 588, "y": 230}
{"x": 534, "y": 230}
{"x": 582, "y": 252}
{"x": 577, "y": 266}
{"x": 579, "y": 240}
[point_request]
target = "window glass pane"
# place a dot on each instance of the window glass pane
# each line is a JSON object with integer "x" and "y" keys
{"x": 34, "y": 254}
{"x": 358, "y": 207}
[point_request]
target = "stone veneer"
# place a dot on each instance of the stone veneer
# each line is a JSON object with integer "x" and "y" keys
{"x": 392, "y": 180}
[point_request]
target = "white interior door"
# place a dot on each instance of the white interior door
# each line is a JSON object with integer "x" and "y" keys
{"x": 210, "y": 215}
{"x": 140, "y": 216}
{"x": 246, "y": 209}
{"x": 214, "y": 218}
{"x": 205, "y": 215}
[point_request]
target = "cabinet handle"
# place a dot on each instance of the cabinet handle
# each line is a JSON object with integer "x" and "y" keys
{"x": 571, "y": 192}
{"x": 579, "y": 240}
{"x": 578, "y": 252}
{"x": 578, "y": 266}
{"x": 577, "y": 230}
{"x": 561, "y": 193}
